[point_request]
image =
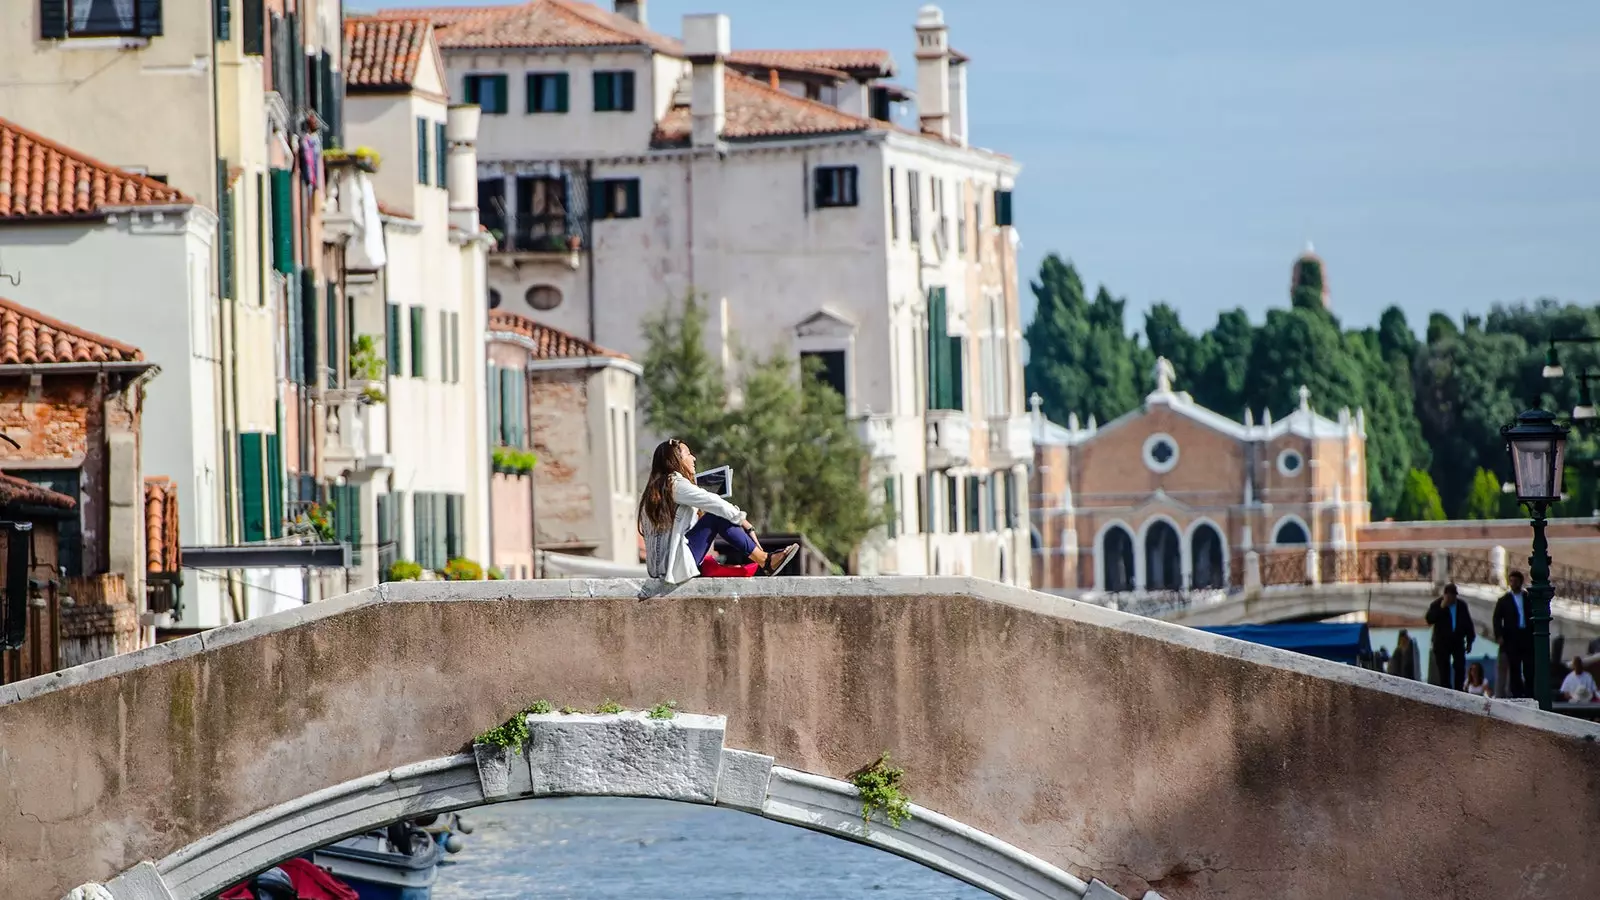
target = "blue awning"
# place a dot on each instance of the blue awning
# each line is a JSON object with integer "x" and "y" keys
{"x": 1336, "y": 641}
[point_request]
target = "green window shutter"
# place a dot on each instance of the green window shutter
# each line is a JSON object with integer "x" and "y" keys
{"x": 254, "y": 25}
{"x": 150, "y": 18}
{"x": 602, "y": 92}
{"x": 938, "y": 349}
{"x": 472, "y": 87}
{"x": 597, "y": 198}
{"x": 274, "y": 486}
{"x": 562, "y": 90}
{"x": 445, "y": 350}
{"x": 501, "y": 101}
{"x": 631, "y": 205}
{"x": 508, "y": 407}
{"x": 225, "y": 225}
{"x": 422, "y": 150}
{"x": 263, "y": 225}
{"x": 252, "y": 487}
{"x": 421, "y": 519}
{"x": 52, "y": 19}
{"x": 338, "y": 365}
{"x": 958, "y": 393}
{"x": 308, "y": 325}
{"x": 523, "y": 437}
{"x": 453, "y": 509}
{"x": 892, "y": 503}
{"x": 455, "y": 342}
{"x": 441, "y": 530}
{"x": 493, "y": 384}
{"x": 441, "y": 146}
{"x": 626, "y": 89}
{"x": 224, "y": 20}
{"x": 393, "y": 340}
{"x": 419, "y": 339}
{"x": 283, "y": 220}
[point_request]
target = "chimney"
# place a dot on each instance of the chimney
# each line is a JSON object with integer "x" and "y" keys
{"x": 635, "y": 10}
{"x": 706, "y": 41}
{"x": 958, "y": 101}
{"x": 933, "y": 71}
{"x": 461, "y": 135}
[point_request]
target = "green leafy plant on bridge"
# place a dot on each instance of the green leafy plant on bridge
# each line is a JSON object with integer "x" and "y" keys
{"x": 664, "y": 710}
{"x": 512, "y": 734}
{"x": 879, "y": 785}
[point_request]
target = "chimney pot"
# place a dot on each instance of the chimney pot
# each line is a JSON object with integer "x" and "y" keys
{"x": 707, "y": 39}
{"x": 933, "y": 71}
{"x": 635, "y": 10}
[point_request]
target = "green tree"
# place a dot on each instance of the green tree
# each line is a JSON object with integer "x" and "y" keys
{"x": 801, "y": 466}
{"x": 1419, "y": 501}
{"x": 1485, "y": 500}
{"x": 1081, "y": 358}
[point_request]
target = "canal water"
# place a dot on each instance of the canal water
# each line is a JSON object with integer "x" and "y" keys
{"x": 611, "y": 849}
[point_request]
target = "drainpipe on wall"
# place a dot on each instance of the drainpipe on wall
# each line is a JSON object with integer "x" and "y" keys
{"x": 588, "y": 240}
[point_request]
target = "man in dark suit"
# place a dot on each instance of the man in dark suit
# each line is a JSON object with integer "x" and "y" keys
{"x": 1453, "y": 635}
{"x": 1516, "y": 641}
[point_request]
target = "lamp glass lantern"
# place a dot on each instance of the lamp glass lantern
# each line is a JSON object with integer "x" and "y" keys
{"x": 1538, "y": 448}
{"x": 1552, "y": 363}
{"x": 1585, "y": 408}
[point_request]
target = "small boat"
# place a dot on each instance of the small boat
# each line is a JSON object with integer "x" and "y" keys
{"x": 400, "y": 862}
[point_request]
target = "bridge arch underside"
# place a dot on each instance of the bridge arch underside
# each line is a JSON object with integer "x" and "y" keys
{"x": 1107, "y": 745}
{"x": 614, "y": 756}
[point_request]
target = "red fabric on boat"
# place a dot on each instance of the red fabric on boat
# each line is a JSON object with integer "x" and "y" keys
{"x": 710, "y": 568}
{"x": 310, "y": 883}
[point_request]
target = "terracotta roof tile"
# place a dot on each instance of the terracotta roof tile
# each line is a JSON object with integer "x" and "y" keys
{"x": 855, "y": 63}
{"x": 162, "y": 548}
{"x": 20, "y": 491}
{"x": 41, "y": 179}
{"x": 756, "y": 110}
{"x": 383, "y": 52}
{"x": 28, "y": 336}
{"x": 549, "y": 343}
{"x": 537, "y": 23}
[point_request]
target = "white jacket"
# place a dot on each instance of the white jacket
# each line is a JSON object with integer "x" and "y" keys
{"x": 667, "y": 552}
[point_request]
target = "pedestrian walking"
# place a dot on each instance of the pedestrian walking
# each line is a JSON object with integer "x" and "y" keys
{"x": 1511, "y": 632}
{"x": 1453, "y": 635}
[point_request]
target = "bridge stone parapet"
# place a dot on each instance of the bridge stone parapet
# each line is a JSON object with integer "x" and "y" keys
{"x": 1069, "y": 750}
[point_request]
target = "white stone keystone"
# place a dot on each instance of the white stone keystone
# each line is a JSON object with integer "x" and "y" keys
{"x": 502, "y": 771}
{"x": 743, "y": 781}
{"x": 626, "y": 755}
{"x": 142, "y": 882}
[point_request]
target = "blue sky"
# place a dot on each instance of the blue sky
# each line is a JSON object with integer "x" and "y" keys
{"x": 1442, "y": 154}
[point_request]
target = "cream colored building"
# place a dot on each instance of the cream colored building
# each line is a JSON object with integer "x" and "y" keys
{"x": 418, "y": 462}
{"x": 620, "y": 169}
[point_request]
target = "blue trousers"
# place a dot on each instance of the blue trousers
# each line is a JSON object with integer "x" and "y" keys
{"x": 709, "y": 528}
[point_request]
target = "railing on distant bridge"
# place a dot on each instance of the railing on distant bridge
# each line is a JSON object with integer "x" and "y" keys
{"x": 1312, "y": 566}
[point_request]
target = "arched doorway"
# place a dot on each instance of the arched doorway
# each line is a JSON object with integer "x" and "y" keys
{"x": 1116, "y": 554}
{"x": 1291, "y": 532}
{"x": 1205, "y": 551}
{"x": 1163, "y": 558}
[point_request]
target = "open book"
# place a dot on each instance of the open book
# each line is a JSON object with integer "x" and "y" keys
{"x": 718, "y": 481}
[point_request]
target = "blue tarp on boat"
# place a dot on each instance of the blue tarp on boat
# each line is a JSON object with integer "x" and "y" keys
{"x": 1339, "y": 642}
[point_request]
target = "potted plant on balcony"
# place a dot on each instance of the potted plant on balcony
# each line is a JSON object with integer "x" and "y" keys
{"x": 367, "y": 367}
{"x": 364, "y": 158}
{"x": 316, "y": 521}
{"x": 514, "y": 462}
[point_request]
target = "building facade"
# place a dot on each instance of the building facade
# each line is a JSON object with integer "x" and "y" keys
{"x": 622, "y": 170}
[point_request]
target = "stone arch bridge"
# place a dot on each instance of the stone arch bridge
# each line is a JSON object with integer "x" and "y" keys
{"x": 1055, "y": 749}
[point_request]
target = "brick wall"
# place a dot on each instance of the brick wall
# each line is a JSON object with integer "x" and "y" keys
{"x": 101, "y": 621}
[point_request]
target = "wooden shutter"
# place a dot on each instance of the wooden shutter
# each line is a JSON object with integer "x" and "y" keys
{"x": 441, "y": 144}
{"x": 562, "y": 90}
{"x": 598, "y": 207}
{"x": 297, "y": 362}
{"x": 225, "y": 226}
{"x": 283, "y": 220}
{"x": 602, "y": 92}
{"x": 252, "y": 487}
{"x": 454, "y": 510}
{"x": 52, "y": 19}
{"x": 494, "y": 403}
{"x": 338, "y": 364}
{"x": 630, "y": 189}
{"x": 149, "y": 18}
{"x": 892, "y": 503}
{"x": 627, "y": 91}
{"x": 422, "y": 150}
{"x": 419, "y": 346}
{"x": 224, "y": 20}
{"x": 393, "y": 340}
{"x": 954, "y": 362}
{"x": 508, "y": 407}
{"x": 938, "y": 350}
{"x": 455, "y": 348}
{"x": 472, "y": 87}
{"x": 422, "y": 528}
{"x": 819, "y": 187}
{"x": 308, "y": 324}
{"x": 253, "y": 26}
{"x": 274, "y": 486}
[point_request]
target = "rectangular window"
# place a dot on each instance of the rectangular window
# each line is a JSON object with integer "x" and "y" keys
{"x": 974, "y": 505}
{"x": 309, "y": 290}
{"x": 513, "y": 408}
{"x": 253, "y": 486}
{"x": 454, "y": 526}
{"x": 419, "y": 342}
{"x": 422, "y": 528}
{"x": 394, "y": 339}
{"x": 492, "y": 384}
{"x": 423, "y": 169}
{"x": 614, "y": 198}
{"x": 613, "y": 91}
{"x": 442, "y": 162}
{"x": 627, "y": 449}
{"x": 1002, "y": 208}
{"x": 547, "y": 92}
{"x": 891, "y": 503}
{"x": 835, "y": 186}
{"x": 347, "y": 502}
{"x": 338, "y": 355}
{"x": 977, "y": 225}
{"x": 99, "y": 18}
{"x": 222, "y": 19}
{"x": 827, "y": 366}
{"x": 961, "y": 219}
{"x": 259, "y": 264}
{"x": 283, "y": 221}
{"x": 914, "y": 199}
{"x": 274, "y": 486}
{"x": 255, "y": 27}
{"x": 445, "y": 350}
{"x": 924, "y": 507}
{"x": 882, "y": 106}
{"x": 540, "y": 222}
{"x": 952, "y": 499}
{"x": 1010, "y": 501}
{"x": 894, "y": 208}
{"x": 455, "y": 345}
{"x": 488, "y": 91}
{"x": 945, "y": 389}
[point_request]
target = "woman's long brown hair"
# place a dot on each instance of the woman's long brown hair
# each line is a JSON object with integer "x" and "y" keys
{"x": 656, "y": 506}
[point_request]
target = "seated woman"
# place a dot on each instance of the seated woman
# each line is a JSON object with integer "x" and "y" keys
{"x": 675, "y": 542}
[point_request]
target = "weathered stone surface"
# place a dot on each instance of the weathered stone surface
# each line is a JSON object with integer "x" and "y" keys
{"x": 743, "y": 781}
{"x": 1099, "y": 890}
{"x": 142, "y": 882}
{"x": 626, "y": 755}
{"x": 1144, "y": 754}
{"x": 495, "y": 766}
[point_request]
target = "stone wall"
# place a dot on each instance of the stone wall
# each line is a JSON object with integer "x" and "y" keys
{"x": 1112, "y": 746}
{"x": 102, "y": 620}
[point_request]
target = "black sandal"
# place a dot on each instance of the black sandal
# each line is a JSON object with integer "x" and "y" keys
{"x": 776, "y": 562}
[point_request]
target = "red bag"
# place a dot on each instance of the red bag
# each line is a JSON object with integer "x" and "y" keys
{"x": 711, "y": 568}
{"x": 310, "y": 883}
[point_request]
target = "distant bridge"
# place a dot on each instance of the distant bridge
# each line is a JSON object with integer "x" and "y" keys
{"x": 1055, "y": 749}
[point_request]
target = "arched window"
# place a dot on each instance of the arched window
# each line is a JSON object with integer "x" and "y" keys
{"x": 1206, "y": 552}
{"x": 1163, "y": 558}
{"x": 543, "y": 297}
{"x": 1116, "y": 551}
{"x": 494, "y": 299}
{"x": 1291, "y": 532}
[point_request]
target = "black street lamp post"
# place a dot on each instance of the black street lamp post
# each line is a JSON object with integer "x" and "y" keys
{"x": 1538, "y": 446}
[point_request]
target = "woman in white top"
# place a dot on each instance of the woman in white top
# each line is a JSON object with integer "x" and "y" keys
{"x": 675, "y": 542}
{"x": 1578, "y": 687}
{"x": 1476, "y": 683}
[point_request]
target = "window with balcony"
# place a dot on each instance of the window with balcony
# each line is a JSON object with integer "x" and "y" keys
{"x": 945, "y": 387}
{"x": 60, "y": 19}
{"x": 542, "y": 209}
{"x": 827, "y": 367}
{"x": 547, "y": 92}
{"x": 614, "y": 198}
{"x": 835, "y": 186}
{"x": 488, "y": 92}
{"x": 613, "y": 91}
